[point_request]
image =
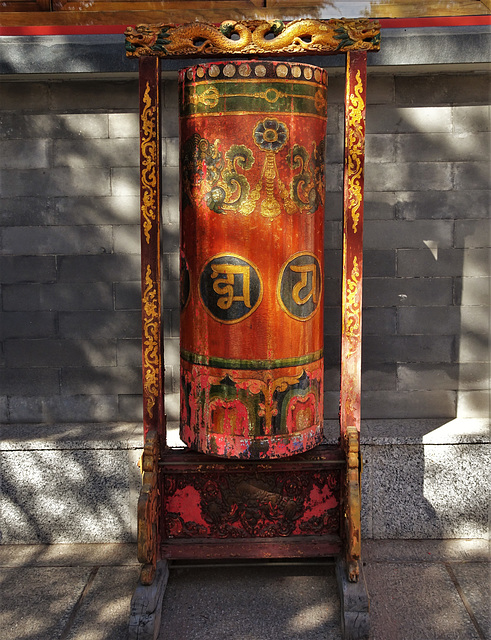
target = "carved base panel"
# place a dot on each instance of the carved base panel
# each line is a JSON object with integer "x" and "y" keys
{"x": 278, "y": 508}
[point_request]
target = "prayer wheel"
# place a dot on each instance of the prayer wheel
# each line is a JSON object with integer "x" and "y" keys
{"x": 252, "y": 141}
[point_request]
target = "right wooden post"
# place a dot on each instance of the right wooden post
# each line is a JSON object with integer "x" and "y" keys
{"x": 354, "y": 158}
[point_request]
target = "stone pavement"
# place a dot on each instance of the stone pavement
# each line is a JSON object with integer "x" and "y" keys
{"x": 420, "y": 590}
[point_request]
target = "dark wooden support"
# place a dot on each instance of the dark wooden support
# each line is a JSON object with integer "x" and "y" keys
{"x": 354, "y": 160}
{"x": 355, "y": 604}
{"x": 146, "y": 604}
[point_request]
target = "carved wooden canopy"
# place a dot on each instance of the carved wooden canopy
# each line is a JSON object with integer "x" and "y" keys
{"x": 253, "y": 37}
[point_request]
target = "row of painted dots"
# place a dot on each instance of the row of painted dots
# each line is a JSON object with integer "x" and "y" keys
{"x": 245, "y": 70}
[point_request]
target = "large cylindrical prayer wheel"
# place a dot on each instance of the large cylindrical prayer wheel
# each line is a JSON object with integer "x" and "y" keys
{"x": 252, "y": 138}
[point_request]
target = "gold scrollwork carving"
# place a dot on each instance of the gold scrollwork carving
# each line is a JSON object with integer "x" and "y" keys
{"x": 148, "y": 509}
{"x": 352, "y": 503}
{"x": 356, "y": 145}
{"x": 352, "y": 313}
{"x": 149, "y": 162}
{"x": 253, "y": 37}
{"x": 151, "y": 342}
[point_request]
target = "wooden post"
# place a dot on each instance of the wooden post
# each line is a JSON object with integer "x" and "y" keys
{"x": 149, "y": 507}
{"x": 150, "y": 205}
{"x": 354, "y": 158}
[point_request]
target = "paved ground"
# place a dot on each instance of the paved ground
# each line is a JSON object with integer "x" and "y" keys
{"x": 420, "y": 590}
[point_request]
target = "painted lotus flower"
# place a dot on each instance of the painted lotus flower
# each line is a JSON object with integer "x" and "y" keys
{"x": 270, "y": 135}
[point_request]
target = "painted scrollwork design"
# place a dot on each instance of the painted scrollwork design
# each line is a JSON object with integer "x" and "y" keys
{"x": 151, "y": 342}
{"x": 308, "y": 186}
{"x": 148, "y": 163}
{"x": 352, "y": 312}
{"x": 356, "y": 145}
{"x": 214, "y": 177}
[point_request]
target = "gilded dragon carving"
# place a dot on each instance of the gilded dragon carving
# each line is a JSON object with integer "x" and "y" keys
{"x": 251, "y": 37}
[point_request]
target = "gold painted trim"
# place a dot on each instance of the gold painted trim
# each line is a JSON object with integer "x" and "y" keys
{"x": 351, "y": 315}
{"x": 151, "y": 342}
{"x": 148, "y": 164}
{"x": 356, "y": 146}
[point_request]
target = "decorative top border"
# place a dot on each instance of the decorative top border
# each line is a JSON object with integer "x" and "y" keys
{"x": 253, "y": 37}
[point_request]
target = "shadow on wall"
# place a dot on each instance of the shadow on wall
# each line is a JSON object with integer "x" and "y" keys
{"x": 71, "y": 293}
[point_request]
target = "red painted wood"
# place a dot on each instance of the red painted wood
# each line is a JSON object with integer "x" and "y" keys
{"x": 150, "y": 204}
{"x": 355, "y": 109}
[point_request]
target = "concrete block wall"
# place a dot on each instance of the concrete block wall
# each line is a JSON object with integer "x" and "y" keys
{"x": 69, "y": 262}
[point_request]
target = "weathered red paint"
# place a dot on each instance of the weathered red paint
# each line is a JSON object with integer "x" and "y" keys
{"x": 280, "y": 500}
{"x": 355, "y": 110}
{"x": 252, "y": 139}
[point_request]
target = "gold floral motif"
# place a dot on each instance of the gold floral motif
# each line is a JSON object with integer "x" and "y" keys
{"x": 269, "y": 408}
{"x": 356, "y": 146}
{"x": 151, "y": 342}
{"x": 253, "y": 37}
{"x": 352, "y": 317}
{"x": 148, "y": 164}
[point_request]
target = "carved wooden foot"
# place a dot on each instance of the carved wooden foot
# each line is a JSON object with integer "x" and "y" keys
{"x": 146, "y": 606}
{"x": 355, "y": 604}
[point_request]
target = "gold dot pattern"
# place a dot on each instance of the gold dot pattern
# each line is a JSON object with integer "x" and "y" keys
{"x": 260, "y": 70}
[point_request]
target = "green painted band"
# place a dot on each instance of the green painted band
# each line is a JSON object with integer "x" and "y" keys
{"x": 225, "y": 363}
{"x": 230, "y": 97}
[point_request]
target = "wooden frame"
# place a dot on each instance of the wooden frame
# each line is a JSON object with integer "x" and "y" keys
{"x": 163, "y": 469}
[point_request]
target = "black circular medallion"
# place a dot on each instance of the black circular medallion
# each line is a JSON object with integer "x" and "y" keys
{"x": 230, "y": 288}
{"x": 300, "y": 285}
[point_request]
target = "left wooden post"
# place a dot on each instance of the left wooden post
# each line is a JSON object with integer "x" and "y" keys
{"x": 146, "y": 604}
{"x": 150, "y": 206}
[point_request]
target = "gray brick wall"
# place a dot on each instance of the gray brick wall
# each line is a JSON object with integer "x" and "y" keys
{"x": 69, "y": 249}
{"x": 69, "y": 258}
